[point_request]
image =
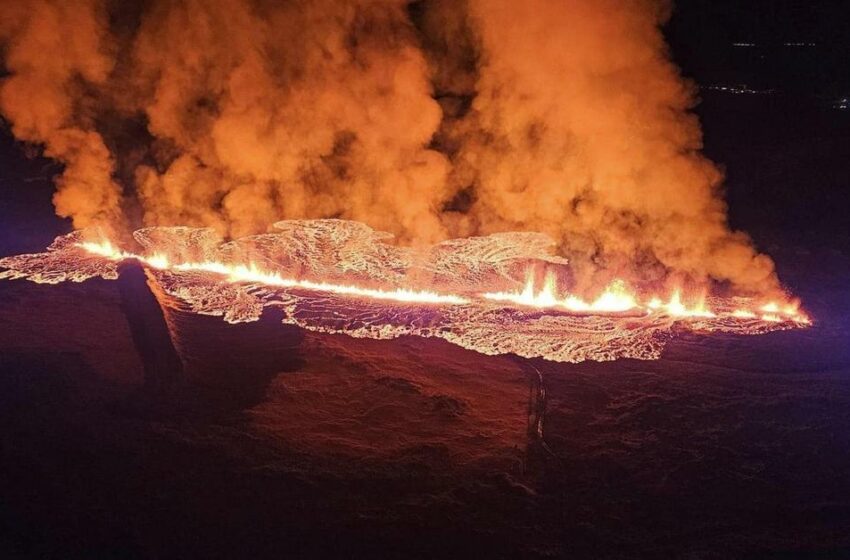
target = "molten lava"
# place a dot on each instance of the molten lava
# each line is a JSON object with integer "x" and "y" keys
{"x": 252, "y": 274}
{"x": 341, "y": 278}
{"x": 616, "y": 298}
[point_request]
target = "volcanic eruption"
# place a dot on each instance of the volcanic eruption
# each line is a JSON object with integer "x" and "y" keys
{"x": 364, "y": 288}
{"x": 512, "y": 177}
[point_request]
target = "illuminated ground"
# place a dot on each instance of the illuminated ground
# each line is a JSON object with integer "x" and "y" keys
{"x": 727, "y": 445}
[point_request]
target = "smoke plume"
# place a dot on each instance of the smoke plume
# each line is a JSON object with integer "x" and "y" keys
{"x": 429, "y": 119}
{"x": 55, "y": 52}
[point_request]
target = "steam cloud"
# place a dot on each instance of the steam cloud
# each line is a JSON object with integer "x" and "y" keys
{"x": 429, "y": 119}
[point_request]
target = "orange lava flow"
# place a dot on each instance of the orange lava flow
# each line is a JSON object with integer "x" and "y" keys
{"x": 615, "y": 299}
{"x": 253, "y": 274}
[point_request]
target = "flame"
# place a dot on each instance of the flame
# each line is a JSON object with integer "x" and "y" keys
{"x": 771, "y": 307}
{"x": 108, "y": 250}
{"x": 744, "y": 314}
{"x": 775, "y": 312}
{"x": 546, "y": 297}
{"x": 676, "y": 308}
{"x": 253, "y": 274}
{"x": 616, "y": 298}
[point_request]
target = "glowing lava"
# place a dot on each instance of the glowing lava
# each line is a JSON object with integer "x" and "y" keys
{"x": 335, "y": 276}
{"x": 676, "y": 308}
{"x": 253, "y": 274}
{"x": 616, "y": 298}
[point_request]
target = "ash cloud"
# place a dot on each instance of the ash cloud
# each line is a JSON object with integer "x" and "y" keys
{"x": 429, "y": 120}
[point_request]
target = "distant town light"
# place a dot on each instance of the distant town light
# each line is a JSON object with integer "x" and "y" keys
{"x": 739, "y": 89}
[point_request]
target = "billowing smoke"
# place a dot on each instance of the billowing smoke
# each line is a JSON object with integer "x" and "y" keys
{"x": 580, "y": 128}
{"x": 57, "y": 53}
{"x": 429, "y": 119}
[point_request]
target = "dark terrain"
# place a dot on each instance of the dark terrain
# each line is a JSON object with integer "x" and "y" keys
{"x": 327, "y": 446}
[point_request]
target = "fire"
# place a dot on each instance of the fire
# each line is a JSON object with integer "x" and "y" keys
{"x": 108, "y": 250}
{"x": 744, "y": 314}
{"x": 616, "y": 298}
{"x": 253, "y": 274}
{"x": 676, "y": 308}
{"x": 540, "y": 317}
{"x": 775, "y": 313}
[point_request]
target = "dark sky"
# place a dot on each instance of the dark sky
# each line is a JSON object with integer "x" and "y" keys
{"x": 702, "y": 33}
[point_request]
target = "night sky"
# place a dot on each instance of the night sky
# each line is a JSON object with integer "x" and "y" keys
{"x": 703, "y": 34}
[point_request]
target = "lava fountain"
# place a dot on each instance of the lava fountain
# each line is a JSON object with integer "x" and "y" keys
{"x": 338, "y": 276}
